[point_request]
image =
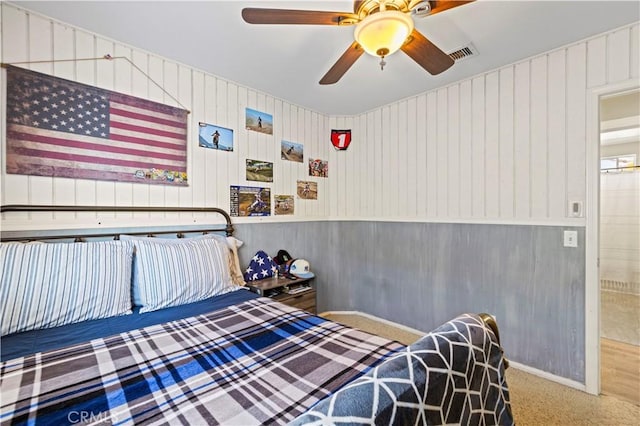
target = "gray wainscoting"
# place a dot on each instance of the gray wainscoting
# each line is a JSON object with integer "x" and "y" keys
{"x": 423, "y": 274}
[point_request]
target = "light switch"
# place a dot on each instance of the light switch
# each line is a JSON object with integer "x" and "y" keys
{"x": 571, "y": 238}
{"x": 575, "y": 209}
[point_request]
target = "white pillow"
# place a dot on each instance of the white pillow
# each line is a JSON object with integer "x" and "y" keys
{"x": 175, "y": 272}
{"x": 232, "y": 258}
{"x": 47, "y": 285}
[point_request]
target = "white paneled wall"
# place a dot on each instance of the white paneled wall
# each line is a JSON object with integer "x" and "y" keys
{"x": 619, "y": 231}
{"x": 507, "y": 146}
{"x": 31, "y": 37}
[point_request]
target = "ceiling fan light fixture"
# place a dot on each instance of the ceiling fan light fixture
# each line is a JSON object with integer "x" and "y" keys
{"x": 383, "y": 33}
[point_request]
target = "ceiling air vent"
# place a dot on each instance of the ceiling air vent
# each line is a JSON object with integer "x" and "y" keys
{"x": 464, "y": 53}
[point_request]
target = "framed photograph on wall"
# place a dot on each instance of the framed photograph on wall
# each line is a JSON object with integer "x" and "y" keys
{"x": 292, "y": 151}
{"x": 260, "y": 171}
{"x": 318, "y": 167}
{"x": 283, "y": 204}
{"x": 307, "y": 190}
{"x": 250, "y": 201}
{"x": 215, "y": 137}
{"x": 259, "y": 121}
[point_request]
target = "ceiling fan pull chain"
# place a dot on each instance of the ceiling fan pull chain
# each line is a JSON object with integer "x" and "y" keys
{"x": 382, "y": 63}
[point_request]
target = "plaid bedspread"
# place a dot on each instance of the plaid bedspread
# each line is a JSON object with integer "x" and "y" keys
{"x": 258, "y": 362}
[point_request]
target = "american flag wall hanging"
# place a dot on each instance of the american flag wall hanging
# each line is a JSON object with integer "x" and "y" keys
{"x": 61, "y": 128}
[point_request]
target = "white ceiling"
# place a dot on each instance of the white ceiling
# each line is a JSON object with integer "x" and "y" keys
{"x": 287, "y": 61}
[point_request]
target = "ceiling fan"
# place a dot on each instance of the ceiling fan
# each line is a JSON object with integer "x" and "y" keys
{"x": 382, "y": 28}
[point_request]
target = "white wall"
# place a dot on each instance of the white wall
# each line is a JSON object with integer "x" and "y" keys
{"x": 619, "y": 231}
{"x": 27, "y": 36}
{"x": 507, "y": 146}
{"x": 621, "y": 149}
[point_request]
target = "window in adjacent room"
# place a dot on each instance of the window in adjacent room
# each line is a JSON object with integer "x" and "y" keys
{"x": 617, "y": 162}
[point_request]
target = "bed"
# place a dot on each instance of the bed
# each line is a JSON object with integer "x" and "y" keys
{"x": 169, "y": 335}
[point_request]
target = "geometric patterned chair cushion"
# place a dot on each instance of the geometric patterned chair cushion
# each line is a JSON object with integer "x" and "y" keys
{"x": 453, "y": 375}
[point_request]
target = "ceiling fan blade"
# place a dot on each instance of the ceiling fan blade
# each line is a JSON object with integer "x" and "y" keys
{"x": 438, "y": 6}
{"x": 426, "y": 54}
{"x": 254, "y": 15}
{"x": 341, "y": 66}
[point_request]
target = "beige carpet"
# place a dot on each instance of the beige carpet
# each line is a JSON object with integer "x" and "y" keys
{"x": 534, "y": 401}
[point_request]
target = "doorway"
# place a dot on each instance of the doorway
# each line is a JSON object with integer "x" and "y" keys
{"x": 619, "y": 245}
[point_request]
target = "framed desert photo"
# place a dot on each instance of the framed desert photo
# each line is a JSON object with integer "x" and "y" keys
{"x": 215, "y": 137}
{"x": 250, "y": 201}
{"x": 259, "y": 121}
{"x": 307, "y": 190}
{"x": 283, "y": 204}
{"x": 292, "y": 151}
{"x": 261, "y": 171}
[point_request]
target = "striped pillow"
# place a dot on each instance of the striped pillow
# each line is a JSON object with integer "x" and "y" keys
{"x": 47, "y": 285}
{"x": 170, "y": 274}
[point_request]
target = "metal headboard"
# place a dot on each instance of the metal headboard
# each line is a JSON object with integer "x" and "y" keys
{"x": 227, "y": 228}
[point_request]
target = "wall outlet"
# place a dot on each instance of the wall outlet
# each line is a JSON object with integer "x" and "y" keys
{"x": 571, "y": 238}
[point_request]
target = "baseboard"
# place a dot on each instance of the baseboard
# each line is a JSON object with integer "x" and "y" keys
{"x": 548, "y": 376}
{"x": 374, "y": 318}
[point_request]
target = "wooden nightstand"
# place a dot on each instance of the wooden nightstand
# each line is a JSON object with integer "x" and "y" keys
{"x": 303, "y": 300}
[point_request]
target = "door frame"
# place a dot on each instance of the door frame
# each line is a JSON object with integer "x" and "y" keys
{"x": 592, "y": 236}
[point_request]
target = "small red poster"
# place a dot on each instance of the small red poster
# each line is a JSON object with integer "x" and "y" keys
{"x": 340, "y": 139}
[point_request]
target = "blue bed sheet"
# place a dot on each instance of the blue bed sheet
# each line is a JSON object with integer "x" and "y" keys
{"x": 29, "y": 342}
